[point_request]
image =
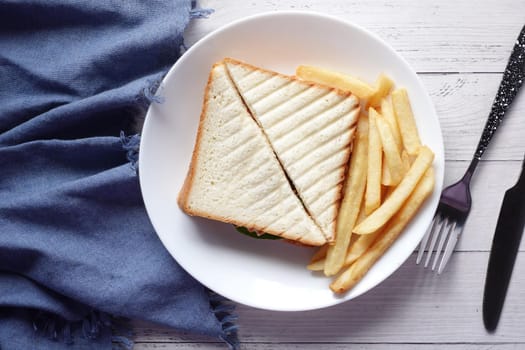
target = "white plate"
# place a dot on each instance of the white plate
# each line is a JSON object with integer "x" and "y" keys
{"x": 261, "y": 273}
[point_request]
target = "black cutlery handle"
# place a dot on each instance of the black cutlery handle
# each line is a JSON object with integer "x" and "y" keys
{"x": 509, "y": 87}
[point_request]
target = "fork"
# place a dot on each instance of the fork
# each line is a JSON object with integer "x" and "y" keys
{"x": 455, "y": 201}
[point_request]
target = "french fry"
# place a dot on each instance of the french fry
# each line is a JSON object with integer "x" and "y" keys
{"x": 361, "y": 242}
{"x": 405, "y": 158}
{"x": 386, "y": 179}
{"x": 349, "y": 278}
{"x": 387, "y": 111}
{"x": 406, "y": 121}
{"x": 389, "y": 177}
{"x": 391, "y": 205}
{"x": 392, "y": 156}
{"x": 375, "y": 159}
{"x": 334, "y": 79}
{"x": 320, "y": 254}
{"x": 316, "y": 265}
{"x": 383, "y": 86}
{"x": 362, "y": 213}
{"x": 353, "y": 195}
{"x": 360, "y": 246}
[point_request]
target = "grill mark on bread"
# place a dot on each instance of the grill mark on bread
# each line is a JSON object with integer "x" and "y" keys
{"x": 286, "y": 99}
{"x": 268, "y": 94}
{"x": 233, "y": 120}
{"x": 247, "y": 75}
{"x": 272, "y": 125}
{"x": 264, "y": 198}
{"x": 236, "y": 147}
{"x": 313, "y": 180}
{"x": 317, "y": 192}
{"x": 320, "y": 152}
{"x": 273, "y": 223}
{"x": 262, "y": 83}
{"x": 321, "y": 109}
{"x": 255, "y": 166}
{"x": 248, "y": 83}
{"x": 327, "y": 119}
{"x": 333, "y": 218}
{"x": 336, "y": 199}
{"x": 320, "y": 194}
{"x": 240, "y": 170}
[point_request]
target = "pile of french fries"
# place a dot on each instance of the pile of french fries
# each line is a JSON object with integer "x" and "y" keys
{"x": 389, "y": 177}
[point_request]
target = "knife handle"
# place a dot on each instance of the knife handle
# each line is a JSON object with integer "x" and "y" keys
{"x": 505, "y": 246}
{"x": 509, "y": 87}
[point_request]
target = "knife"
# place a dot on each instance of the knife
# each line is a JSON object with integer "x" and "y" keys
{"x": 505, "y": 246}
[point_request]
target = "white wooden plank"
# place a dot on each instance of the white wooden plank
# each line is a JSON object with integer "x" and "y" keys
{"x": 327, "y": 346}
{"x": 463, "y": 103}
{"x": 451, "y": 35}
{"x": 412, "y": 306}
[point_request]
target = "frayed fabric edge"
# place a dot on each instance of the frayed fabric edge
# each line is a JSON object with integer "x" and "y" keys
{"x": 201, "y": 12}
{"x": 121, "y": 335}
{"x": 223, "y": 309}
{"x": 57, "y": 328}
{"x": 131, "y": 145}
{"x": 149, "y": 93}
{"x": 198, "y": 12}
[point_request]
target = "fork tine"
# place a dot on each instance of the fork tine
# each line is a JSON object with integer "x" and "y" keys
{"x": 444, "y": 235}
{"x": 456, "y": 231}
{"x": 424, "y": 242}
{"x": 444, "y": 223}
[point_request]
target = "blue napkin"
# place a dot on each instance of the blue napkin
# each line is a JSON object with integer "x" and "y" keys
{"x": 78, "y": 254}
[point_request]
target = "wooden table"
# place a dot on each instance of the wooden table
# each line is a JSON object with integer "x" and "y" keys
{"x": 459, "y": 49}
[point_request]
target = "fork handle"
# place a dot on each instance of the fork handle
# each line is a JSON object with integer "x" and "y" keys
{"x": 509, "y": 87}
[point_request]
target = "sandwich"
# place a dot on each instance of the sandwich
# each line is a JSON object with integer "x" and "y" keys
{"x": 271, "y": 153}
{"x": 234, "y": 175}
{"x": 310, "y": 127}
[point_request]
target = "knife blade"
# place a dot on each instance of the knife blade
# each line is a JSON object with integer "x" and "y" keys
{"x": 505, "y": 246}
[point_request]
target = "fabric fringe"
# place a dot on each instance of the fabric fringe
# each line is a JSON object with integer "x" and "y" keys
{"x": 121, "y": 342}
{"x": 149, "y": 92}
{"x": 53, "y": 327}
{"x": 121, "y": 335}
{"x": 223, "y": 310}
{"x": 201, "y": 12}
{"x": 197, "y": 12}
{"x": 56, "y": 328}
{"x": 131, "y": 145}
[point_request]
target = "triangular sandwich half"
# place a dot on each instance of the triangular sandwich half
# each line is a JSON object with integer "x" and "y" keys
{"x": 234, "y": 175}
{"x": 310, "y": 128}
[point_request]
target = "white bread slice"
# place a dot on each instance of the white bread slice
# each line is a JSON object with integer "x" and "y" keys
{"x": 310, "y": 128}
{"x": 234, "y": 175}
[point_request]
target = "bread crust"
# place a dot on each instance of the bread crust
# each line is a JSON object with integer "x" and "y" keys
{"x": 182, "y": 199}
